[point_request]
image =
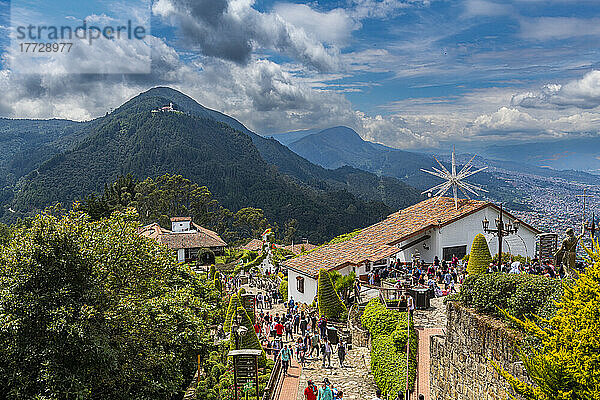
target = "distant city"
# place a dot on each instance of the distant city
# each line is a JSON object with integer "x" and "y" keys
{"x": 555, "y": 204}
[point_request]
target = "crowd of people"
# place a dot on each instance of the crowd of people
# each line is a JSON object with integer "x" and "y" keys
{"x": 298, "y": 333}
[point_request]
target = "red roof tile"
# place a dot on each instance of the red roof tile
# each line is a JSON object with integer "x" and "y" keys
{"x": 179, "y": 219}
{"x": 379, "y": 240}
{"x": 253, "y": 245}
{"x": 196, "y": 238}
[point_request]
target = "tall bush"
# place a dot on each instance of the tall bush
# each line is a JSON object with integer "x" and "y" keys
{"x": 283, "y": 289}
{"x": 330, "y": 304}
{"x": 567, "y": 364}
{"x": 249, "y": 340}
{"x": 479, "y": 258}
{"x": 389, "y": 334}
{"x": 234, "y": 303}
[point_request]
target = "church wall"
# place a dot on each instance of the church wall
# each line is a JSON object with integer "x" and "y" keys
{"x": 310, "y": 287}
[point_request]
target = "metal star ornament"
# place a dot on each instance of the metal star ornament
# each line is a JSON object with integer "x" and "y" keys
{"x": 454, "y": 180}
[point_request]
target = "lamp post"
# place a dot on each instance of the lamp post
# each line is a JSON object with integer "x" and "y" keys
{"x": 502, "y": 229}
{"x": 238, "y": 330}
{"x": 591, "y": 227}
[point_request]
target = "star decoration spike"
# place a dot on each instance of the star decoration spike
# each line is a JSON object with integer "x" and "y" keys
{"x": 454, "y": 180}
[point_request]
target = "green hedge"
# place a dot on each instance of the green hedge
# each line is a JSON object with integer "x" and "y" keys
{"x": 330, "y": 304}
{"x": 388, "y": 348}
{"x": 211, "y": 272}
{"x": 234, "y": 303}
{"x": 479, "y": 258}
{"x": 283, "y": 289}
{"x": 522, "y": 295}
{"x": 250, "y": 339}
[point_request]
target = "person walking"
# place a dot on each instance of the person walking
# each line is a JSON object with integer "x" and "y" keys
{"x": 325, "y": 392}
{"x": 296, "y": 321}
{"x": 314, "y": 344}
{"x": 311, "y": 391}
{"x": 341, "y": 350}
{"x": 285, "y": 358}
{"x": 410, "y": 304}
{"x": 326, "y": 349}
{"x": 288, "y": 330}
{"x": 303, "y": 326}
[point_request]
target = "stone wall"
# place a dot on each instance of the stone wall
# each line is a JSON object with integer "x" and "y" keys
{"x": 460, "y": 360}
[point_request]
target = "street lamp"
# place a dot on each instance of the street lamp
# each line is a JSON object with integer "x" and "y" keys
{"x": 502, "y": 230}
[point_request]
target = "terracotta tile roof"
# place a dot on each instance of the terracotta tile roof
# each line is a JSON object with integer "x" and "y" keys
{"x": 253, "y": 245}
{"x": 379, "y": 240}
{"x": 297, "y": 247}
{"x": 199, "y": 237}
{"x": 179, "y": 219}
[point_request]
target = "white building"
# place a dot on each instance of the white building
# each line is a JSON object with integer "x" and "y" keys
{"x": 186, "y": 238}
{"x": 427, "y": 229}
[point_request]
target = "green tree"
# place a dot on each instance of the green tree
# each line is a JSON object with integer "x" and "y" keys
{"x": 283, "y": 289}
{"x": 92, "y": 310}
{"x": 479, "y": 258}
{"x": 289, "y": 230}
{"x": 566, "y": 366}
{"x": 330, "y": 304}
{"x": 234, "y": 303}
{"x": 250, "y": 222}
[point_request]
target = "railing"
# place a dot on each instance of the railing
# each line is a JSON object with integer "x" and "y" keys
{"x": 407, "y": 355}
{"x": 274, "y": 383}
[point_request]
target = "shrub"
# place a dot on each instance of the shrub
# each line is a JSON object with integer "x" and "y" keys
{"x": 388, "y": 330}
{"x": 211, "y": 272}
{"x": 330, "y": 304}
{"x": 250, "y": 339}
{"x": 218, "y": 285}
{"x": 520, "y": 294}
{"x": 343, "y": 284}
{"x": 283, "y": 289}
{"x": 479, "y": 258}
{"x": 567, "y": 364}
{"x": 234, "y": 303}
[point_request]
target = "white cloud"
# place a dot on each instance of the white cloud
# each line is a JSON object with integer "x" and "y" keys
{"x": 333, "y": 27}
{"x": 232, "y": 30}
{"x": 579, "y": 93}
{"x": 484, "y": 8}
{"x": 546, "y": 28}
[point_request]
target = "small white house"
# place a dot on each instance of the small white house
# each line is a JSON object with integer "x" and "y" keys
{"x": 426, "y": 229}
{"x": 186, "y": 238}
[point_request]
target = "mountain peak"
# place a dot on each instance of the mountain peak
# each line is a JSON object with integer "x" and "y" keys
{"x": 340, "y": 132}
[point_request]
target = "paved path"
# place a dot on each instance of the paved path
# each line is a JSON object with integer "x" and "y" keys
{"x": 354, "y": 379}
{"x": 289, "y": 387}
{"x": 427, "y": 323}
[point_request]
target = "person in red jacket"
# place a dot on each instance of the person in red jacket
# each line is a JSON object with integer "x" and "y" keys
{"x": 310, "y": 393}
{"x": 279, "y": 329}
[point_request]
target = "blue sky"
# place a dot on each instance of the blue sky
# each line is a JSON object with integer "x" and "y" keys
{"x": 410, "y": 74}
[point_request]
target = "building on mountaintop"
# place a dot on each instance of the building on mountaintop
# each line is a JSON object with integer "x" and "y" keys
{"x": 433, "y": 227}
{"x": 168, "y": 108}
{"x": 186, "y": 238}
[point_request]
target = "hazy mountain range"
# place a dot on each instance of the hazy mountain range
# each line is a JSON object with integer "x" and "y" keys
{"x": 49, "y": 161}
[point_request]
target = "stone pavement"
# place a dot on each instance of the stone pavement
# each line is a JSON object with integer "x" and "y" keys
{"x": 355, "y": 378}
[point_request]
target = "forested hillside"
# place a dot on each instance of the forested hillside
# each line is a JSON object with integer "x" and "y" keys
{"x": 211, "y": 149}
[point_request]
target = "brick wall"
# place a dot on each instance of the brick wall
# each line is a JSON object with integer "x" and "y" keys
{"x": 460, "y": 367}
